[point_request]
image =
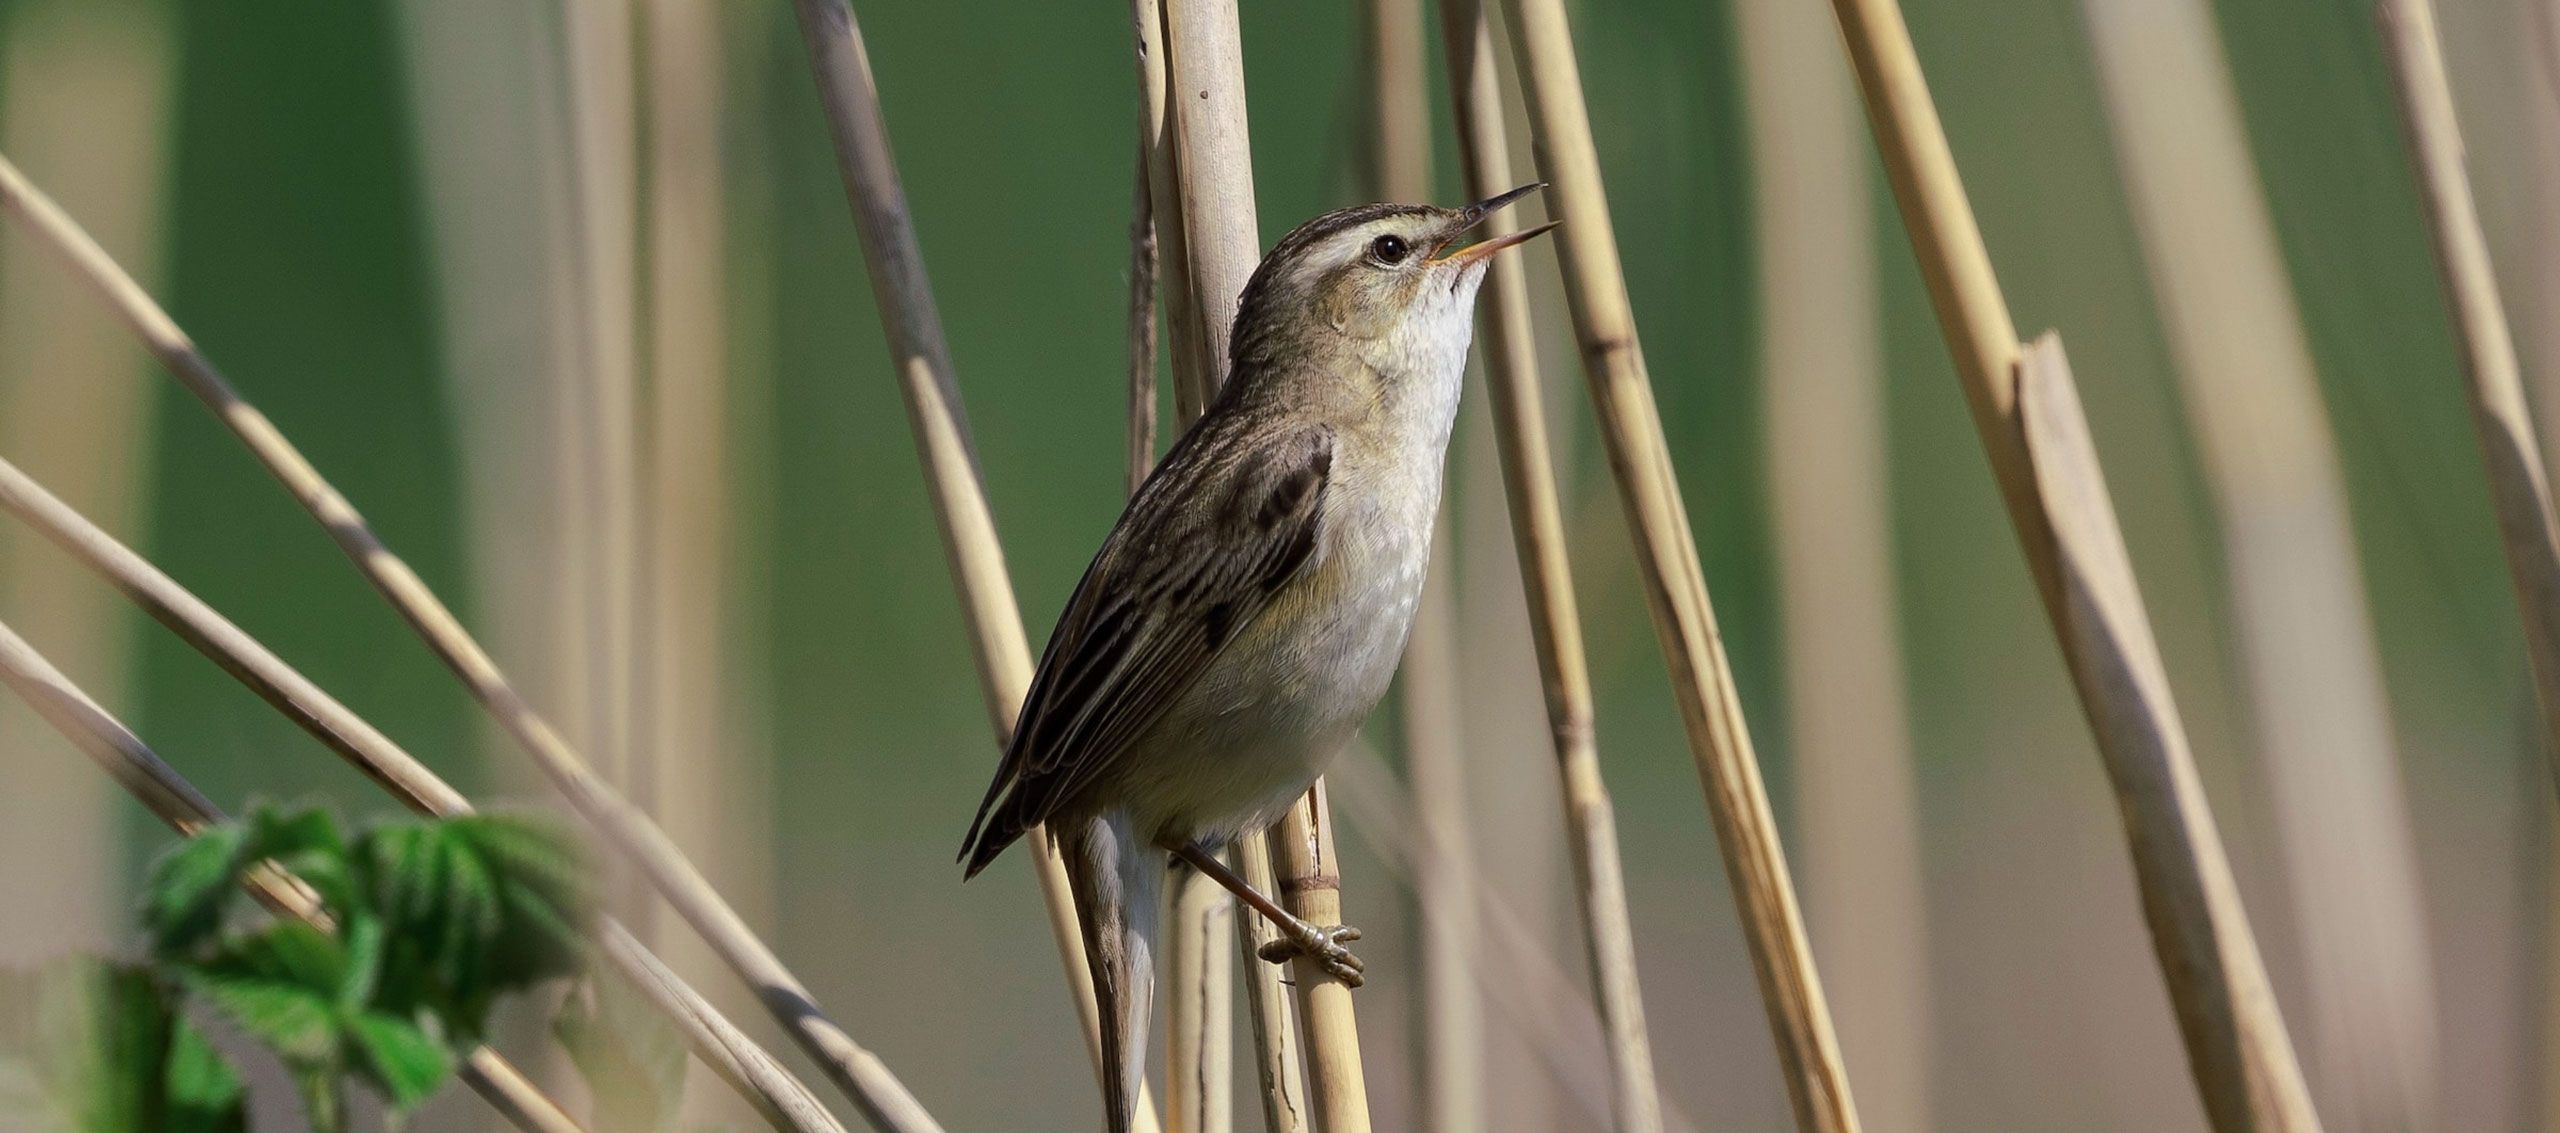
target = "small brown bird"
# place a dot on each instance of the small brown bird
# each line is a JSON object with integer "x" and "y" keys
{"x": 1249, "y": 609}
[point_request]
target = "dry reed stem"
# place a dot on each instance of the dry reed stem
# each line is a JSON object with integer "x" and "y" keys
{"x": 1142, "y": 326}
{"x": 851, "y": 101}
{"x": 1282, "y": 1072}
{"x": 1450, "y": 1039}
{"x": 712, "y": 1037}
{"x": 1164, "y": 200}
{"x": 778, "y": 1096}
{"x": 860, "y": 1074}
{"x": 1822, "y": 384}
{"x": 1526, "y": 979}
{"x": 160, "y": 789}
{"x": 1546, "y": 577}
{"x": 2519, "y": 488}
{"x": 2237, "y": 1047}
{"x": 1631, "y": 427}
{"x": 2306, "y": 641}
{"x": 1310, "y": 879}
{"x": 1213, "y": 162}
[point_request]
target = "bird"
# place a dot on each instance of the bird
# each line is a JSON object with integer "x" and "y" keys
{"x": 1246, "y": 613}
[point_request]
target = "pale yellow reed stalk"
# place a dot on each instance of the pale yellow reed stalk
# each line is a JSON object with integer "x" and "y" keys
{"x": 1702, "y": 680}
{"x": 1822, "y": 383}
{"x": 2300, "y": 614}
{"x": 2519, "y": 488}
{"x": 85, "y": 96}
{"x": 625, "y": 827}
{"x": 1511, "y": 370}
{"x": 159, "y": 788}
{"x": 779, "y": 1097}
{"x": 2028, "y": 415}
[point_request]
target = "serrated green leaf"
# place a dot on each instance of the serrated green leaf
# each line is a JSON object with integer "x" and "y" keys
{"x": 204, "y": 1093}
{"x": 184, "y": 897}
{"x": 399, "y": 1059}
{"x": 289, "y": 1018}
{"x": 363, "y": 936}
{"x": 286, "y": 952}
{"x": 474, "y": 907}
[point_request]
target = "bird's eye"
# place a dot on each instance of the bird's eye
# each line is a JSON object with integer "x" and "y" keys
{"x": 1390, "y": 249}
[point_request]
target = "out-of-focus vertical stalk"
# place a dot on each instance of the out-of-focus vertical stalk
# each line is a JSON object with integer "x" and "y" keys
{"x": 2026, "y": 412}
{"x": 601, "y": 87}
{"x": 84, "y": 97}
{"x": 2535, "y": 38}
{"x": 2518, "y": 485}
{"x": 711, "y": 782}
{"x": 1822, "y": 383}
{"x": 1675, "y": 585}
{"x": 1449, "y": 1036}
{"x": 2302, "y": 625}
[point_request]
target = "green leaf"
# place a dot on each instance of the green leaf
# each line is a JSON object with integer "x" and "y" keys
{"x": 363, "y": 970}
{"x": 634, "y": 1064}
{"x": 399, "y": 1059}
{"x": 289, "y": 1018}
{"x": 473, "y": 907}
{"x": 183, "y": 900}
{"x": 204, "y": 1093}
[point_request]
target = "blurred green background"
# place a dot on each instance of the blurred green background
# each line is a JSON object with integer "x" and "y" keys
{"x": 365, "y": 211}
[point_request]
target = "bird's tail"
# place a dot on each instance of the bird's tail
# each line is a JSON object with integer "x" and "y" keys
{"x": 1118, "y": 880}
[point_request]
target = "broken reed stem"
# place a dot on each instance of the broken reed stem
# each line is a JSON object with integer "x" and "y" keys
{"x": 2519, "y": 487}
{"x": 778, "y": 1096}
{"x": 160, "y": 789}
{"x": 1546, "y": 577}
{"x": 1702, "y": 681}
{"x": 2049, "y": 476}
{"x": 630, "y": 831}
{"x": 2300, "y": 612}
{"x": 1142, "y": 327}
{"x": 913, "y": 327}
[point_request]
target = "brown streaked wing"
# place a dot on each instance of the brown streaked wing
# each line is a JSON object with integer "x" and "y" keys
{"x": 1228, "y": 519}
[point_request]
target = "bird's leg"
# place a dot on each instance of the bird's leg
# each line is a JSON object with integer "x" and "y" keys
{"x": 1297, "y": 937}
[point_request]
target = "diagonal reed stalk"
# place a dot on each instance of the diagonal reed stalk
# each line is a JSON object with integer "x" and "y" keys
{"x": 2300, "y": 612}
{"x": 777, "y": 1096}
{"x": 1831, "y": 527}
{"x": 161, "y": 790}
{"x": 851, "y": 102}
{"x": 2519, "y": 487}
{"x": 2027, "y": 412}
{"x": 1546, "y": 577}
{"x": 1449, "y": 1039}
{"x": 1675, "y": 587}
{"x": 860, "y": 1074}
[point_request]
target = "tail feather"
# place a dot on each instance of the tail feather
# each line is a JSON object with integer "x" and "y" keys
{"x": 1118, "y": 880}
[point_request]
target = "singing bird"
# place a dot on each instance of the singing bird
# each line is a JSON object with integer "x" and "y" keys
{"x": 1245, "y": 615}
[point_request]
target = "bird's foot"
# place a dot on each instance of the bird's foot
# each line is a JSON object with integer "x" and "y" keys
{"x": 1323, "y": 944}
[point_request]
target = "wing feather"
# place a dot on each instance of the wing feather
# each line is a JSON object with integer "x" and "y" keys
{"x": 1226, "y": 521}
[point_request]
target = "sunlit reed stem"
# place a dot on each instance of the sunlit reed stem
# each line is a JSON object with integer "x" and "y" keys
{"x": 2301, "y": 622}
{"x": 2027, "y": 412}
{"x": 160, "y": 789}
{"x": 1822, "y": 395}
{"x": 778, "y": 1096}
{"x": 2518, "y": 485}
{"x": 1702, "y": 680}
{"x": 630, "y": 832}
{"x": 1511, "y": 370}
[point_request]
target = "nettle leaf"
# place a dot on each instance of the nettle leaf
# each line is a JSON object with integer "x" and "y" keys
{"x": 194, "y": 886}
{"x": 289, "y": 1018}
{"x": 633, "y": 1062}
{"x": 399, "y": 1058}
{"x": 473, "y": 908}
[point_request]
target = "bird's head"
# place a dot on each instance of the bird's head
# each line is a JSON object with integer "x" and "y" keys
{"x": 1389, "y": 285}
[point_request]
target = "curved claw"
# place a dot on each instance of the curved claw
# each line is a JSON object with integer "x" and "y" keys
{"x": 1325, "y": 946}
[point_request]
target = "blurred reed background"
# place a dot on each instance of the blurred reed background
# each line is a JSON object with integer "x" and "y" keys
{"x": 565, "y": 297}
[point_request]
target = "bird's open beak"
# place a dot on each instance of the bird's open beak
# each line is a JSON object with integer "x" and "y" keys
{"x": 1476, "y": 214}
